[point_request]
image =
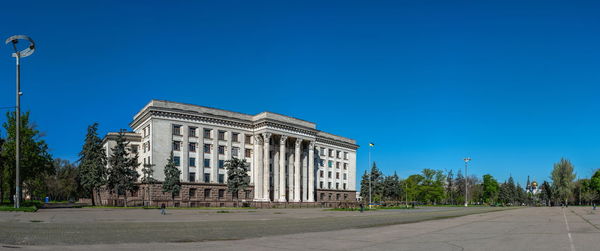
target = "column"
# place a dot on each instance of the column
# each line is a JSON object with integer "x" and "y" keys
{"x": 297, "y": 171}
{"x": 291, "y": 178}
{"x": 214, "y": 160}
{"x": 304, "y": 176}
{"x": 275, "y": 174}
{"x": 266, "y": 162}
{"x": 257, "y": 171}
{"x": 311, "y": 171}
{"x": 282, "y": 153}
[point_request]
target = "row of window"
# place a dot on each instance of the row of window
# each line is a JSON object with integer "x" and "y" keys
{"x": 220, "y": 193}
{"x": 192, "y": 162}
{"x": 330, "y": 164}
{"x": 338, "y": 154}
{"x": 337, "y": 185}
{"x": 207, "y": 133}
{"x": 235, "y": 151}
{"x": 329, "y": 174}
{"x": 220, "y": 178}
{"x": 337, "y": 196}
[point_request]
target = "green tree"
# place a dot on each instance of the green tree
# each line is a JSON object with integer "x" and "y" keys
{"x": 64, "y": 184}
{"x": 562, "y": 180}
{"x": 376, "y": 183}
{"x": 547, "y": 194}
{"x": 237, "y": 176}
{"x": 595, "y": 182}
{"x": 35, "y": 161}
{"x": 490, "y": 189}
{"x": 172, "y": 183}
{"x": 412, "y": 186}
{"x": 92, "y": 163}
{"x": 2, "y": 165}
{"x": 432, "y": 186}
{"x": 122, "y": 173}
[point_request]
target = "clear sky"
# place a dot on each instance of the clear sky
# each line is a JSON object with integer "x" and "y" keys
{"x": 513, "y": 84}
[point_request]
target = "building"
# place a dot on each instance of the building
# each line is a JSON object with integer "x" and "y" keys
{"x": 290, "y": 160}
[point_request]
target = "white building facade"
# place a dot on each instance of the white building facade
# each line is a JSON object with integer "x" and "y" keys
{"x": 290, "y": 160}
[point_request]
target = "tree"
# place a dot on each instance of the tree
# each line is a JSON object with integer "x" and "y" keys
{"x": 35, "y": 161}
{"x": 237, "y": 176}
{"x": 490, "y": 189}
{"x": 122, "y": 173}
{"x": 376, "y": 183}
{"x": 64, "y": 184}
{"x": 92, "y": 163}
{"x": 147, "y": 178}
{"x": 364, "y": 186}
{"x": 595, "y": 182}
{"x": 450, "y": 187}
{"x": 412, "y": 187}
{"x": 391, "y": 187}
{"x": 562, "y": 180}
{"x": 547, "y": 193}
{"x": 172, "y": 183}
{"x": 432, "y": 186}
{"x": 2, "y": 165}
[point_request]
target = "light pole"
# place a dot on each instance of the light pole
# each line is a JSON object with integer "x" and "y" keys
{"x": 371, "y": 145}
{"x": 467, "y": 159}
{"x": 18, "y": 54}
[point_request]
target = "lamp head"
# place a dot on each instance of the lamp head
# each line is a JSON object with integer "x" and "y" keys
{"x": 25, "y": 52}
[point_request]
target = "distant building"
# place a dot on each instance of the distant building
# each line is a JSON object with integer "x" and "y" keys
{"x": 290, "y": 160}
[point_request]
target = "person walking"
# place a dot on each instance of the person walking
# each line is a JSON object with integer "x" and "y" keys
{"x": 163, "y": 209}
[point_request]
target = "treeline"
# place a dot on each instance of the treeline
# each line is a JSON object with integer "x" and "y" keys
{"x": 444, "y": 187}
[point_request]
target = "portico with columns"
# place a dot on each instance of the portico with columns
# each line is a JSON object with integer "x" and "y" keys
{"x": 285, "y": 172}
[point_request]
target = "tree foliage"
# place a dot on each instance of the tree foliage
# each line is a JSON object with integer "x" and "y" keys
{"x": 562, "y": 180}
{"x": 92, "y": 163}
{"x": 172, "y": 183}
{"x": 122, "y": 173}
{"x": 237, "y": 175}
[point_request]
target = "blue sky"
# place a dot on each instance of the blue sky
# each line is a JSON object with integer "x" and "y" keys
{"x": 513, "y": 84}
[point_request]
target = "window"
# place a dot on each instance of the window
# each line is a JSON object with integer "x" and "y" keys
{"x": 176, "y": 145}
{"x": 192, "y": 147}
{"x": 321, "y": 173}
{"x": 330, "y": 163}
{"x": 345, "y": 157}
{"x": 345, "y": 195}
{"x": 328, "y": 174}
{"x": 345, "y": 176}
{"x": 192, "y": 131}
{"x": 248, "y": 139}
{"x": 337, "y": 196}
{"x": 320, "y": 184}
{"x": 321, "y": 162}
{"x": 337, "y": 185}
{"x": 207, "y": 193}
{"x": 176, "y": 129}
{"x": 207, "y": 163}
{"x": 344, "y": 187}
{"x": 248, "y": 153}
{"x": 221, "y": 163}
{"x": 144, "y": 147}
{"x": 134, "y": 149}
{"x": 329, "y": 185}
{"x": 337, "y": 165}
{"x": 338, "y": 154}
{"x": 337, "y": 175}
{"x": 235, "y": 151}
{"x": 345, "y": 166}
{"x": 206, "y": 148}
{"x": 329, "y": 196}
{"x": 176, "y": 160}
{"x": 207, "y": 177}
{"x": 221, "y": 193}
{"x": 323, "y": 151}
{"x": 247, "y": 194}
{"x": 192, "y": 177}
{"x": 330, "y": 153}
{"x": 192, "y": 192}
{"x": 221, "y": 135}
{"x": 235, "y": 137}
{"x": 192, "y": 162}
{"x": 221, "y": 178}
{"x": 221, "y": 149}
{"x": 207, "y": 133}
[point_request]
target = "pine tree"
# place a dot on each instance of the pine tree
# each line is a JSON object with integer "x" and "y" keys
{"x": 122, "y": 173}
{"x": 92, "y": 163}
{"x": 237, "y": 176}
{"x": 172, "y": 183}
{"x": 364, "y": 186}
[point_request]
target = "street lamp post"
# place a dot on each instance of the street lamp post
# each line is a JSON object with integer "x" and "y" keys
{"x": 370, "y": 174}
{"x": 467, "y": 159}
{"x": 18, "y": 54}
